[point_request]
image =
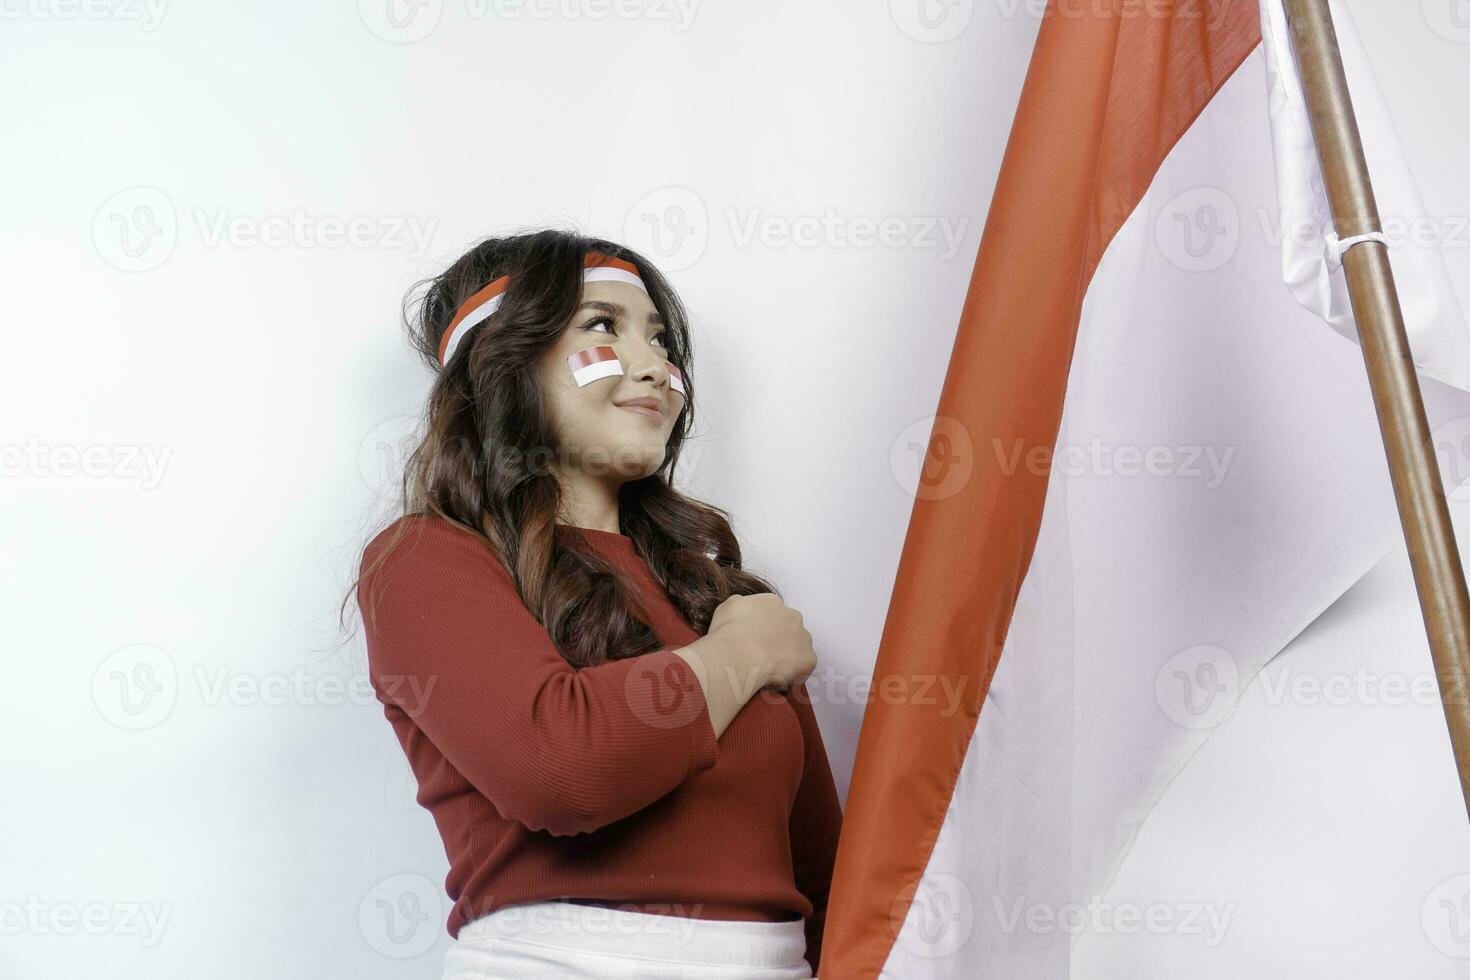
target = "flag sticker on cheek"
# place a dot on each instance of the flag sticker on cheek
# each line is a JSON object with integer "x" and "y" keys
{"x": 596, "y": 363}
{"x": 593, "y": 364}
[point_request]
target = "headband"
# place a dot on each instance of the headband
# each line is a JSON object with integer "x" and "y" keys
{"x": 596, "y": 267}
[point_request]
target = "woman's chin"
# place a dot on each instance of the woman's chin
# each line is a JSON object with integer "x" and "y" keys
{"x": 651, "y": 459}
{"x": 633, "y": 459}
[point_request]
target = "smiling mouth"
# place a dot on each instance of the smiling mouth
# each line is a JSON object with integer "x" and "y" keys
{"x": 652, "y": 414}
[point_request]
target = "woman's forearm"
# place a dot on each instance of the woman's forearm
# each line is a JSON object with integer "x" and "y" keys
{"x": 729, "y": 674}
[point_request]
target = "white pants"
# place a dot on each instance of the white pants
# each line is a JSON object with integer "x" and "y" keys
{"x": 581, "y": 942}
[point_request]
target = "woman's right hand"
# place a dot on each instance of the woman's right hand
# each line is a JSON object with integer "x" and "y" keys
{"x": 767, "y": 637}
{"x": 753, "y": 642}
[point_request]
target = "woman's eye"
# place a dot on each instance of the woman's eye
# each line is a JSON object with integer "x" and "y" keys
{"x": 662, "y": 336}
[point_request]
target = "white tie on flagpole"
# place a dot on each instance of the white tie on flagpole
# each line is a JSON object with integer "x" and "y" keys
{"x": 1311, "y": 264}
{"x": 1337, "y": 247}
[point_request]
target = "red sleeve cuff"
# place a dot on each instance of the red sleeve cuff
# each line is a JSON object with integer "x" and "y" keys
{"x": 703, "y": 745}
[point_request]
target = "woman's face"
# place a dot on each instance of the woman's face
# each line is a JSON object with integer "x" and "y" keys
{"x": 598, "y": 438}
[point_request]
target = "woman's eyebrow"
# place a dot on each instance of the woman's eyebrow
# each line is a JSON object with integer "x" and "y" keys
{"x": 618, "y": 310}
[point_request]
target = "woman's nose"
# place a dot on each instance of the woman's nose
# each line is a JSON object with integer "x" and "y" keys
{"x": 644, "y": 361}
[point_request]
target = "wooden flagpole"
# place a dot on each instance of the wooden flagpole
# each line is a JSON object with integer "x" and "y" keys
{"x": 1423, "y": 510}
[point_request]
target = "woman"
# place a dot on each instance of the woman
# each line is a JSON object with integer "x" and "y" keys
{"x": 604, "y": 712}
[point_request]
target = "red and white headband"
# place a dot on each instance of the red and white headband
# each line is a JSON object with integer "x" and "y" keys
{"x": 596, "y": 267}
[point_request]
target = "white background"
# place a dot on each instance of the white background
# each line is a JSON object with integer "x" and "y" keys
{"x": 186, "y": 320}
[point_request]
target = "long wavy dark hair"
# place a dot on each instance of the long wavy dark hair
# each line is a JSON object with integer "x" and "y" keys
{"x": 486, "y": 426}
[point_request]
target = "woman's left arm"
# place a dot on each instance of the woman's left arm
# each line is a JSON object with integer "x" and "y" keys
{"x": 816, "y": 822}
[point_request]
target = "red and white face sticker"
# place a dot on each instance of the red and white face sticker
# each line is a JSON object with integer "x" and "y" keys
{"x": 596, "y": 363}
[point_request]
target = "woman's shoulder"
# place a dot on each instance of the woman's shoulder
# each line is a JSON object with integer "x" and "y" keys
{"x": 429, "y": 543}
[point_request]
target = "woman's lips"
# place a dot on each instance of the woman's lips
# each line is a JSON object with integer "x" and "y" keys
{"x": 652, "y": 414}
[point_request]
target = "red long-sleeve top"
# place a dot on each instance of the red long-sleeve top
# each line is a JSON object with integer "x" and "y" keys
{"x": 602, "y": 785}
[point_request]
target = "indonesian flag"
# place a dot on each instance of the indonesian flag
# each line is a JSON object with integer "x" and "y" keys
{"x": 1152, "y": 465}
